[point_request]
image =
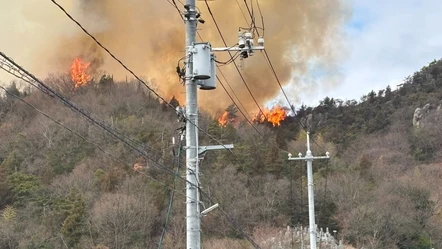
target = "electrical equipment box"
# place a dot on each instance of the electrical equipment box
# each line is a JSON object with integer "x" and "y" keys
{"x": 201, "y": 61}
{"x": 210, "y": 84}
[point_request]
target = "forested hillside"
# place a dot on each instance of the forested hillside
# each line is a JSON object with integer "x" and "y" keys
{"x": 66, "y": 183}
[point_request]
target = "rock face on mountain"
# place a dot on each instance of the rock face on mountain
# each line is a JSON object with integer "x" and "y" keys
{"x": 425, "y": 115}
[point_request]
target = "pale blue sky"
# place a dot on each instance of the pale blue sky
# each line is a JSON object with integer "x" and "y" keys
{"x": 387, "y": 41}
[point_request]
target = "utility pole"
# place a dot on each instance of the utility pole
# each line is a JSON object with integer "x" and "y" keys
{"x": 200, "y": 70}
{"x": 192, "y": 215}
{"x": 311, "y": 201}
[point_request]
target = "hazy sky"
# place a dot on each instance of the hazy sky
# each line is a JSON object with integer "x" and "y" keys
{"x": 387, "y": 41}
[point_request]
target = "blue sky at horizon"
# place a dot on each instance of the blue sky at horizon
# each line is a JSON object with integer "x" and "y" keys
{"x": 387, "y": 41}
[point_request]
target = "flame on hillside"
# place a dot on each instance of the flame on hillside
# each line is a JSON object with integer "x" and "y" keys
{"x": 224, "y": 119}
{"x": 228, "y": 117}
{"x": 273, "y": 116}
{"x": 315, "y": 38}
{"x": 79, "y": 72}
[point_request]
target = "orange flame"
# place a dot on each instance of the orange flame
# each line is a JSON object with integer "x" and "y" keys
{"x": 224, "y": 119}
{"x": 79, "y": 74}
{"x": 273, "y": 116}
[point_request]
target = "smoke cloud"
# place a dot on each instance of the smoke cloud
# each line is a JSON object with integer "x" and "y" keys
{"x": 148, "y": 36}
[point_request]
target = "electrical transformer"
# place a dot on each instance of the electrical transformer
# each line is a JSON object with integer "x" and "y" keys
{"x": 201, "y": 61}
{"x": 210, "y": 84}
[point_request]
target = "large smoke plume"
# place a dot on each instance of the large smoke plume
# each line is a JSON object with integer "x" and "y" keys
{"x": 148, "y": 36}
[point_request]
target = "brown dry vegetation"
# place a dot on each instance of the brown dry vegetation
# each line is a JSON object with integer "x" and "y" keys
{"x": 381, "y": 189}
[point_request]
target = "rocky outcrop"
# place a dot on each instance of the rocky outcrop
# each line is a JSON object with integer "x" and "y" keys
{"x": 426, "y": 115}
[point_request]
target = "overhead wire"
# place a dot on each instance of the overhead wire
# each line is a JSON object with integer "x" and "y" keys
{"x": 248, "y": 121}
{"x": 222, "y": 37}
{"x": 18, "y": 71}
{"x": 171, "y": 199}
{"x": 270, "y": 64}
{"x": 133, "y": 74}
{"x": 62, "y": 125}
{"x": 236, "y": 66}
{"x": 173, "y": 3}
{"x": 242, "y": 12}
{"x": 115, "y": 158}
{"x": 12, "y": 69}
{"x": 239, "y": 101}
{"x": 110, "y": 131}
{"x": 231, "y": 89}
{"x": 119, "y": 61}
{"x": 229, "y": 61}
{"x": 234, "y": 101}
{"x": 274, "y": 73}
{"x": 262, "y": 17}
{"x": 243, "y": 80}
{"x": 141, "y": 81}
{"x": 156, "y": 94}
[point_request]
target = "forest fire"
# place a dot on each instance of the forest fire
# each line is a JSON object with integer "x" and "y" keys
{"x": 224, "y": 119}
{"x": 273, "y": 116}
{"x": 79, "y": 72}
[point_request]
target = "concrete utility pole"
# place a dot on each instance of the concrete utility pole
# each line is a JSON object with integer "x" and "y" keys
{"x": 201, "y": 72}
{"x": 311, "y": 201}
{"x": 192, "y": 215}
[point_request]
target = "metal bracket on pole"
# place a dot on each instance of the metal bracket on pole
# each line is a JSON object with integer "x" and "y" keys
{"x": 206, "y": 211}
{"x": 203, "y": 149}
{"x": 237, "y": 49}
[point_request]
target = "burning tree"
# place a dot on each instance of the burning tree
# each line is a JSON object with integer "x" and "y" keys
{"x": 80, "y": 72}
{"x": 273, "y": 116}
{"x": 229, "y": 116}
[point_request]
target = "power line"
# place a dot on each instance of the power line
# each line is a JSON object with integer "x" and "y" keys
{"x": 252, "y": 17}
{"x": 243, "y": 80}
{"x": 242, "y": 12}
{"x": 173, "y": 3}
{"x": 168, "y": 104}
{"x": 270, "y": 64}
{"x": 115, "y": 158}
{"x": 121, "y": 63}
{"x": 269, "y": 61}
{"x": 45, "y": 89}
{"x": 230, "y": 87}
{"x": 248, "y": 121}
{"x": 133, "y": 74}
{"x": 254, "y": 127}
{"x": 8, "y": 65}
{"x": 236, "y": 66}
{"x": 63, "y": 126}
{"x": 262, "y": 17}
{"x": 21, "y": 73}
{"x": 228, "y": 94}
{"x": 172, "y": 195}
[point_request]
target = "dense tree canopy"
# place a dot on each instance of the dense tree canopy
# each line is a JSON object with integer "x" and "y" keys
{"x": 58, "y": 189}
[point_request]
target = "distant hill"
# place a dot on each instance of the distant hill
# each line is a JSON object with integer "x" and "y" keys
{"x": 69, "y": 184}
